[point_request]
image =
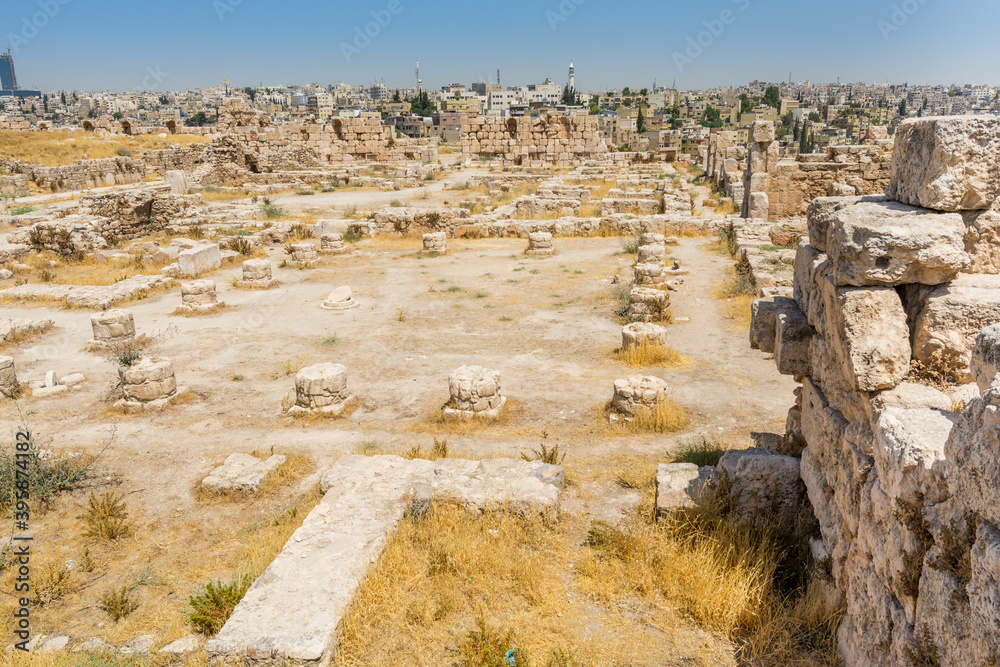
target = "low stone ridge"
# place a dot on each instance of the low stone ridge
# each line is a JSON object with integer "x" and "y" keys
{"x": 242, "y": 472}
{"x": 96, "y": 297}
{"x": 290, "y": 614}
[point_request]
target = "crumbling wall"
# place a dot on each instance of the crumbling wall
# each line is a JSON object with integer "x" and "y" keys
{"x": 84, "y": 174}
{"x": 778, "y": 189}
{"x": 552, "y": 138}
{"x": 900, "y": 454}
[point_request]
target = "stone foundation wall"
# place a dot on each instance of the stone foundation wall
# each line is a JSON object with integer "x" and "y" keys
{"x": 775, "y": 188}
{"x": 894, "y": 422}
{"x": 549, "y": 139}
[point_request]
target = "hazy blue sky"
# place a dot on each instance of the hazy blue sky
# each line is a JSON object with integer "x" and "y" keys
{"x": 179, "y": 44}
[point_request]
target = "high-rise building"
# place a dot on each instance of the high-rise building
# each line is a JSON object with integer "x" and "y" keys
{"x": 572, "y": 76}
{"x": 8, "y": 81}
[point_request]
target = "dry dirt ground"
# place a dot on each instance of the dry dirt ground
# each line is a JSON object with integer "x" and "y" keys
{"x": 546, "y": 323}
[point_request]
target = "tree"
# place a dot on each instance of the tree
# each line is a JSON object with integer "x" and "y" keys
{"x": 815, "y": 117}
{"x": 902, "y": 107}
{"x": 63, "y": 97}
{"x": 676, "y": 124}
{"x": 640, "y": 123}
{"x": 568, "y": 95}
{"x": 422, "y": 105}
{"x": 396, "y": 98}
{"x": 164, "y": 100}
{"x": 746, "y": 105}
{"x": 788, "y": 119}
{"x": 626, "y": 92}
{"x": 251, "y": 93}
{"x": 644, "y": 92}
{"x": 45, "y": 103}
{"x": 772, "y": 97}
{"x": 712, "y": 118}
{"x": 197, "y": 120}
{"x": 118, "y": 115}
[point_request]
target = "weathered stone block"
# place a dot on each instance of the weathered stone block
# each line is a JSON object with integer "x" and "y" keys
{"x": 764, "y": 321}
{"x": 242, "y": 472}
{"x": 765, "y": 483}
{"x": 200, "y": 259}
{"x": 680, "y": 485}
{"x": 113, "y": 326}
{"x": 642, "y": 333}
{"x": 792, "y": 341}
{"x": 947, "y": 163}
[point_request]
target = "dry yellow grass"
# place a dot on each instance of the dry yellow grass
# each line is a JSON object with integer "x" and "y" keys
{"x": 444, "y": 572}
{"x": 214, "y": 195}
{"x": 20, "y": 336}
{"x": 666, "y": 417}
{"x": 737, "y": 294}
{"x": 88, "y": 271}
{"x": 62, "y": 148}
{"x": 727, "y": 207}
{"x": 217, "y": 308}
{"x": 295, "y": 467}
{"x": 651, "y": 354}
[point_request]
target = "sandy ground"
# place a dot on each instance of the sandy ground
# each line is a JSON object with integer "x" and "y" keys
{"x": 546, "y": 323}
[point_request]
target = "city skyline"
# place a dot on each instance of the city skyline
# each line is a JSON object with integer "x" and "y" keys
{"x": 197, "y": 43}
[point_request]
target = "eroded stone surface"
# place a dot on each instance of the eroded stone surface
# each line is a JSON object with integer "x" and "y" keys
{"x": 291, "y": 612}
{"x": 242, "y": 472}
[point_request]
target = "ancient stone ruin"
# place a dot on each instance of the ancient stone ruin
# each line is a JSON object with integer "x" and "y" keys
{"x": 256, "y": 274}
{"x": 901, "y": 472}
{"x": 242, "y": 473}
{"x": 321, "y": 389}
{"x": 8, "y": 378}
{"x": 340, "y": 299}
{"x": 149, "y": 384}
{"x": 436, "y": 242}
{"x": 198, "y": 297}
{"x": 475, "y": 394}
{"x": 540, "y": 244}
{"x": 635, "y": 393}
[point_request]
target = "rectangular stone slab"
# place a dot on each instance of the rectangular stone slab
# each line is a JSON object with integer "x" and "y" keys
{"x": 290, "y": 614}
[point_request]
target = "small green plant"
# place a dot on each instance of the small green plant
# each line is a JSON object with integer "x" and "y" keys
{"x": 481, "y": 295}
{"x": 213, "y": 607}
{"x": 455, "y": 288}
{"x": 630, "y": 245}
{"x": 107, "y": 516}
{"x": 545, "y": 454}
{"x": 118, "y": 603}
{"x": 703, "y": 452}
{"x": 237, "y": 378}
{"x": 401, "y": 314}
{"x": 505, "y": 318}
{"x": 46, "y": 477}
{"x": 21, "y": 210}
{"x": 330, "y": 340}
{"x": 271, "y": 211}
{"x": 352, "y": 237}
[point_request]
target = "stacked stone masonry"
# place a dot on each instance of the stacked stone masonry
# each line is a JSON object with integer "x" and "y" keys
{"x": 902, "y": 473}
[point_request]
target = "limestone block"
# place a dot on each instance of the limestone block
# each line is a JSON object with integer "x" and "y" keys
{"x": 147, "y": 384}
{"x": 869, "y": 337}
{"x": 653, "y": 253}
{"x": 986, "y": 357}
{"x": 323, "y": 388}
{"x": 793, "y": 336}
{"x": 178, "y": 182}
{"x": 982, "y": 240}
{"x": 973, "y": 467}
{"x": 334, "y": 244}
{"x": 894, "y": 244}
{"x": 764, "y": 321}
{"x": 636, "y": 392}
{"x": 475, "y": 393}
{"x": 950, "y": 320}
{"x": 8, "y": 378}
{"x": 302, "y": 253}
{"x": 341, "y": 298}
{"x": 947, "y": 163}
{"x": 984, "y": 586}
{"x": 908, "y": 396}
{"x": 909, "y": 451}
{"x": 648, "y": 305}
{"x": 200, "y": 259}
{"x": 113, "y": 326}
{"x": 436, "y": 242}
{"x": 680, "y": 485}
{"x": 765, "y": 483}
{"x": 242, "y": 472}
{"x": 182, "y": 646}
{"x": 641, "y": 333}
{"x": 759, "y": 206}
{"x": 198, "y": 294}
{"x": 762, "y": 132}
{"x": 540, "y": 244}
{"x": 823, "y": 210}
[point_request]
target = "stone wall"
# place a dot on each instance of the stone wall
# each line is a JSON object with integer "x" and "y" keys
{"x": 82, "y": 175}
{"x": 778, "y": 189}
{"x": 549, "y": 139}
{"x": 895, "y": 422}
{"x": 15, "y": 185}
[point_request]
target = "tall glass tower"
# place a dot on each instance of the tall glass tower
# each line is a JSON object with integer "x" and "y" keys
{"x": 8, "y": 81}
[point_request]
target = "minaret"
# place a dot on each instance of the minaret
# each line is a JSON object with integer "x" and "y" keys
{"x": 572, "y": 76}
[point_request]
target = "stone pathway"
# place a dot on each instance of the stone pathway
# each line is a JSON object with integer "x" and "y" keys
{"x": 290, "y": 614}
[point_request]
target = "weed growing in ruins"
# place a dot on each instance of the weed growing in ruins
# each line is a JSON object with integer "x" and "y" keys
{"x": 22, "y": 210}
{"x": 505, "y": 318}
{"x": 330, "y": 340}
{"x": 118, "y": 603}
{"x": 650, "y": 354}
{"x": 401, "y": 313}
{"x": 955, "y": 555}
{"x": 351, "y": 212}
{"x": 621, "y": 295}
{"x": 700, "y": 451}
{"x": 545, "y": 454}
{"x": 46, "y": 276}
{"x": 300, "y": 232}
{"x": 630, "y": 244}
{"x": 396, "y": 203}
{"x": 51, "y": 581}
{"x": 107, "y": 516}
{"x": 214, "y": 606}
{"x": 272, "y": 211}
{"x": 46, "y": 476}
{"x": 242, "y": 246}
{"x": 665, "y": 417}
{"x": 487, "y": 646}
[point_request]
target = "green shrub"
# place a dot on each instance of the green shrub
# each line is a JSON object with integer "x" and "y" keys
{"x": 213, "y": 607}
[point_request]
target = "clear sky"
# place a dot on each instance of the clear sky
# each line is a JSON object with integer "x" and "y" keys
{"x": 180, "y": 44}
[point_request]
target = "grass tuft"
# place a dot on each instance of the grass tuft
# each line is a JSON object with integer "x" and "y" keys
{"x": 650, "y": 354}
